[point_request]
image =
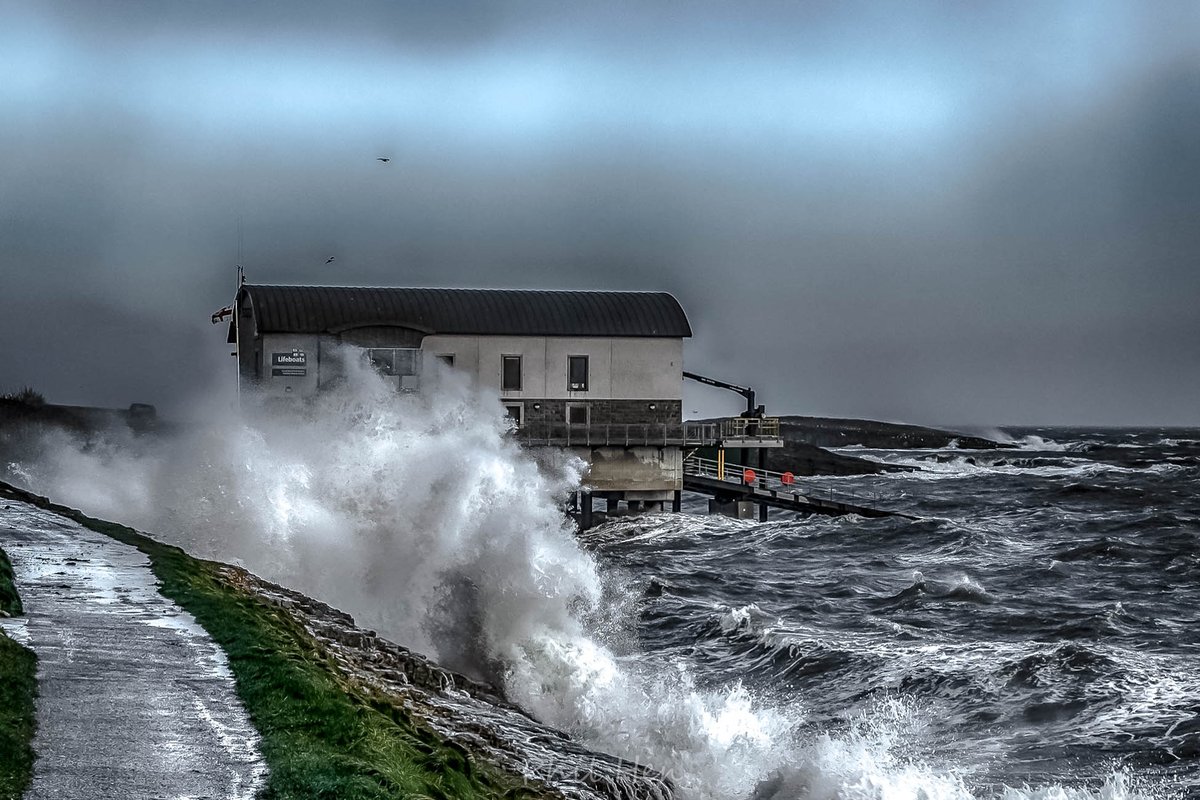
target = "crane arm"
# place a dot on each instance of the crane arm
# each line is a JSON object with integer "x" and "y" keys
{"x": 744, "y": 391}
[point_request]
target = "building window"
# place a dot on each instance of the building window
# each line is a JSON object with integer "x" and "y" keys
{"x": 446, "y": 358}
{"x": 401, "y": 363}
{"x": 515, "y": 412}
{"x": 384, "y": 361}
{"x": 510, "y": 373}
{"x": 578, "y": 413}
{"x": 394, "y": 361}
{"x": 577, "y": 373}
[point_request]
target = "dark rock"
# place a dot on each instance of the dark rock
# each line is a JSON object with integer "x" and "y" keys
{"x": 832, "y": 432}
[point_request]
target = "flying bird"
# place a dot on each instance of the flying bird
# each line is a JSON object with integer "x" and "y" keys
{"x": 384, "y": 160}
{"x": 329, "y": 260}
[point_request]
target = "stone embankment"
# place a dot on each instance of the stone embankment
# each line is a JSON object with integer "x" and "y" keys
{"x": 463, "y": 711}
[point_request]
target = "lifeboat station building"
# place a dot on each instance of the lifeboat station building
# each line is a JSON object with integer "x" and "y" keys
{"x": 599, "y": 373}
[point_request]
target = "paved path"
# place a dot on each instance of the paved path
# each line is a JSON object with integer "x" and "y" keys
{"x": 136, "y": 701}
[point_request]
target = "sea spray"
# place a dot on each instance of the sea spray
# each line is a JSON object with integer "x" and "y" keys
{"x": 421, "y": 515}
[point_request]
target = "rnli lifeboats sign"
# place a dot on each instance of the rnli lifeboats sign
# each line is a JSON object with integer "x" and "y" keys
{"x": 289, "y": 365}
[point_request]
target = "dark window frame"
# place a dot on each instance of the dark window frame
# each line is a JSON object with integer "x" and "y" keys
{"x": 505, "y": 360}
{"x": 572, "y": 384}
{"x": 382, "y": 360}
{"x": 395, "y": 362}
{"x": 520, "y": 409}
{"x": 586, "y": 408}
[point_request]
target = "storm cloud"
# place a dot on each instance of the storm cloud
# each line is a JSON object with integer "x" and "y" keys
{"x": 942, "y": 213}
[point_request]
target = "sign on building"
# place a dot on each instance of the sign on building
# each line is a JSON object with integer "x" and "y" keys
{"x": 289, "y": 365}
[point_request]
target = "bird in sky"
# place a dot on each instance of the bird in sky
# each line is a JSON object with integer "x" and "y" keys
{"x": 329, "y": 260}
{"x": 384, "y": 160}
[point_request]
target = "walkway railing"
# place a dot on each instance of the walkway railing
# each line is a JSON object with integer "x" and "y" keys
{"x": 750, "y": 427}
{"x": 785, "y": 482}
{"x": 649, "y": 434}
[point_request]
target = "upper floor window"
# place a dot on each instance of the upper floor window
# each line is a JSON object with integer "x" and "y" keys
{"x": 403, "y": 364}
{"x": 510, "y": 373}
{"x": 446, "y": 358}
{"x": 577, "y": 373}
{"x": 394, "y": 361}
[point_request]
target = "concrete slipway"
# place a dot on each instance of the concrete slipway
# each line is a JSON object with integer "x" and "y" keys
{"x": 136, "y": 701}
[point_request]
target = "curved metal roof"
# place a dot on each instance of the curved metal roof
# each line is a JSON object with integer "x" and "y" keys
{"x": 496, "y": 312}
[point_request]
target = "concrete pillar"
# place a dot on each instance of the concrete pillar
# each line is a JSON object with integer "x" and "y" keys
{"x": 677, "y": 501}
{"x": 585, "y": 510}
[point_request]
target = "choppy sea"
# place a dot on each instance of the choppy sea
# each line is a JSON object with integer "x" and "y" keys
{"x": 1037, "y": 625}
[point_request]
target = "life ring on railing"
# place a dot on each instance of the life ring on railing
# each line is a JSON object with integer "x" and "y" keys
{"x": 787, "y": 479}
{"x": 749, "y": 477}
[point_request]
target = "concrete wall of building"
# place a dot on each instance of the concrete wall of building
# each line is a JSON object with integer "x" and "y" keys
{"x": 289, "y": 364}
{"x": 618, "y": 368}
{"x": 248, "y": 345}
{"x": 625, "y": 376}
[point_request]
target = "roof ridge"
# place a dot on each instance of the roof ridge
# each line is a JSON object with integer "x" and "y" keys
{"x": 280, "y": 308}
{"x": 453, "y": 289}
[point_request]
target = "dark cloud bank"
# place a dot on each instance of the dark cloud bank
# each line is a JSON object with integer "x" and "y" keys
{"x": 982, "y": 215}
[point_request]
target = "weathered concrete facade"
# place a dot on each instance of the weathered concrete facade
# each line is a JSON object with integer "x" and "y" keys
{"x": 281, "y": 364}
{"x": 597, "y": 372}
{"x": 628, "y": 368}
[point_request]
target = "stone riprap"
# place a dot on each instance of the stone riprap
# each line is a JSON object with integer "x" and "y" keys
{"x": 461, "y": 710}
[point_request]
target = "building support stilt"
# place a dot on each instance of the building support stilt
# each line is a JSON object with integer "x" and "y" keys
{"x": 585, "y": 510}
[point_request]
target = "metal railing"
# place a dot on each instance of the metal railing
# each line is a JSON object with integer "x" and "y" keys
{"x": 721, "y": 470}
{"x": 647, "y": 434}
{"x": 750, "y": 428}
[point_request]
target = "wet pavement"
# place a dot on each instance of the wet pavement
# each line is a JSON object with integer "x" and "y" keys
{"x": 136, "y": 701}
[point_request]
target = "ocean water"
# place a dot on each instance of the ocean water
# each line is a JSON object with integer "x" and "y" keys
{"x": 1037, "y": 626}
{"x": 1033, "y": 634}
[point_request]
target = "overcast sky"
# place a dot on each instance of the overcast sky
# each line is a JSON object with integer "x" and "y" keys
{"x": 957, "y": 213}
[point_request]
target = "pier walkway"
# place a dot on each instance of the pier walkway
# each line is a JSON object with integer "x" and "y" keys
{"x": 736, "y": 483}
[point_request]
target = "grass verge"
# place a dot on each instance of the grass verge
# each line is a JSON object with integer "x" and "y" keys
{"x": 18, "y": 686}
{"x": 10, "y": 601}
{"x": 322, "y": 735}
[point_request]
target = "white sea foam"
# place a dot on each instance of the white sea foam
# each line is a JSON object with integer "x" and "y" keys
{"x": 969, "y": 467}
{"x": 420, "y": 515}
{"x": 1041, "y": 445}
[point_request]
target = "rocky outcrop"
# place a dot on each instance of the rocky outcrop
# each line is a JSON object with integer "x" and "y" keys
{"x": 805, "y": 459}
{"x": 805, "y": 440}
{"x": 832, "y": 432}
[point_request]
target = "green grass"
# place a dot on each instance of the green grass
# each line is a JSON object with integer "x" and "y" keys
{"x": 18, "y": 686}
{"x": 322, "y": 735}
{"x": 10, "y": 601}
